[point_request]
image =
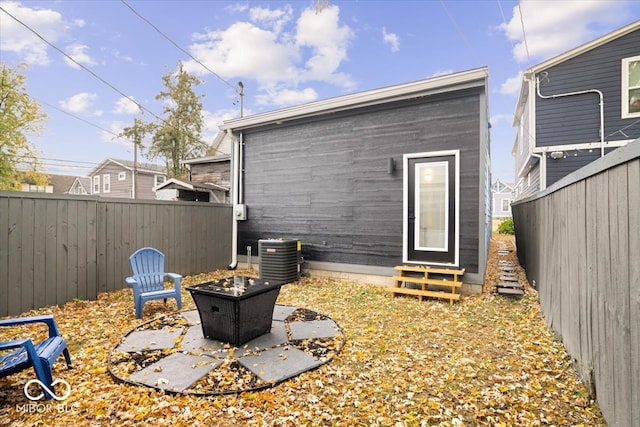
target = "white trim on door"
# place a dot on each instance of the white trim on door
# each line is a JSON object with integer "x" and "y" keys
{"x": 405, "y": 204}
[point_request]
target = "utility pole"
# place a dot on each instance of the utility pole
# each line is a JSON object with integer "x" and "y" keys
{"x": 241, "y": 98}
{"x": 137, "y": 139}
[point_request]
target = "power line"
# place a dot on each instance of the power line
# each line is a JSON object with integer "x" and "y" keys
{"x": 140, "y": 106}
{"x": 504, "y": 21}
{"x": 56, "y": 160}
{"x": 178, "y": 46}
{"x": 460, "y": 32}
{"x": 73, "y": 60}
{"x": 524, "y": 34}
{"x": 83, "y": 120}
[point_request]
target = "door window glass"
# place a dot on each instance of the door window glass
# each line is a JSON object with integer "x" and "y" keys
{"x": 432, "y": 206}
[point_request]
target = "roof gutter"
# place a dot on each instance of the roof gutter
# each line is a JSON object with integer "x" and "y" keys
{"x": 432, "y": 86}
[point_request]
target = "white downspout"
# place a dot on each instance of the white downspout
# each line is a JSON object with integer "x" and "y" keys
{"x": 235, "y": 181}
{"x": 582, "y": 92}
{"x": 543, "y": 170}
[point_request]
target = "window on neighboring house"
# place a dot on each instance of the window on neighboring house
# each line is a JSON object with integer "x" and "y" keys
{"x": 122, "y": 176}
{"x": 106, "y": 183}
{"x": 33, "y": 188}
{"x": 96, "y": 184}
{"x": 159, "y": 180}
{"x": 506, "y": 203}
{"x": 631, "y": 87}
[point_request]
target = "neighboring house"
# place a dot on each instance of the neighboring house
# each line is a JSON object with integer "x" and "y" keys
{"x": 221, "y": 146}
{"x": 210, "y": 170}
{"x": 174, "y": 189}
{"x": 57, "y": 184}
{"x": 576, "y": 107}
{"x": 209, "y": 181}
{"x": 81, "y": 186}
{"x": 502, "y": 195}
{"x": 371, "y": 180}
{"x": 116, "y": 178}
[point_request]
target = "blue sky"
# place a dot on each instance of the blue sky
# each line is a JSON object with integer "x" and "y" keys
{"x": 285, "y": 53}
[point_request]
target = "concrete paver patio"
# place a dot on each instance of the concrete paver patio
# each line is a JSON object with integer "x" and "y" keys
{"x": 177, "y": 355}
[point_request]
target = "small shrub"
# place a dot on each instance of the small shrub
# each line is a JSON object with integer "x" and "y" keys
{"x": 506, "y": 227}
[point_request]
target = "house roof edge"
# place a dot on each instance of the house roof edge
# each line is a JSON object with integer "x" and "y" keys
{"x": 476, "y": 77}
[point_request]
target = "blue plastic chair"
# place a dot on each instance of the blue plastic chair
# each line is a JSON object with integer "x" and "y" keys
{"x": 41, "y": 355}
{"x": 147, "y": 265}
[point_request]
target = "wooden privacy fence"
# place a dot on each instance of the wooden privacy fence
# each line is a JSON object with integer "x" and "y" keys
{"x": 54, "y": 249}
{"x": 579, "y": 241}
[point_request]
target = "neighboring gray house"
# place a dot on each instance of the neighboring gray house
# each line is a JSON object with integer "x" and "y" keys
{"x": 81, "y": 185}
{"x": 576, "y": 107}
{"x": 116, "y": 178}
{"x": 501, "y": 195}
{"x": 371, "y": 180}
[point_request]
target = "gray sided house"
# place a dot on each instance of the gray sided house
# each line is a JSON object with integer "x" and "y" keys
{"x": 501, "y": 196}
{"x": 576, "y": 107}
{"x": 81, "y": 186}
{"x": 371, "y": 180}
{"x": 116, "y": 178}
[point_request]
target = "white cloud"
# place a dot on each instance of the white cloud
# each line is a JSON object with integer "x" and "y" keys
{"x": 328, "y": 40}
{"x": 499, "y": 118}
{"x": 392, "y": 39}
{"x": 239, "y": 49}
{"x": 16, "y": 38}
{"x": 512, "y": 85}
{"x": 284, "y": 97}
{"x": 211, "y": 121}
{"x": 79, "y": 102}
{"x": 277, "y": 52}
{"x": 555, "y": 26}
{"x": 78, "y": 53}
{"x": 275, "y": 19}
{"x": 126, "y": 106}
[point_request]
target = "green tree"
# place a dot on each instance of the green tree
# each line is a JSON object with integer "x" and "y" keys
{"x": 179, "y": 135}
{"x": 20, "y": 116}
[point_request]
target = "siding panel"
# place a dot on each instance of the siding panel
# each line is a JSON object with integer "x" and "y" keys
{"x": 599, "y": 69}
{"x": 325, "y": 182}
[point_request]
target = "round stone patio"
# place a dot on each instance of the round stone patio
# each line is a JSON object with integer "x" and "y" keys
{"x": 171, "y": 353}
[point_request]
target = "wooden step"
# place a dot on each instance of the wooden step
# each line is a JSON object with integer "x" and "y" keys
{"x": 509, "y": 285}
{"x": 423, "y": 269}
{"x": 419, "y": 292}
{"x": 423, "y": 281}
{"x": 510, "y": 291}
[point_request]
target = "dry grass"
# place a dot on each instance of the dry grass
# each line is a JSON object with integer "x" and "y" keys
{"x": 485, "y": 361}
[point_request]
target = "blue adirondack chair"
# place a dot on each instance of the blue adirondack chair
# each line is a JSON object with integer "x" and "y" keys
{"x": 40, "y": 355}
{"x": 147, "y": 265}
